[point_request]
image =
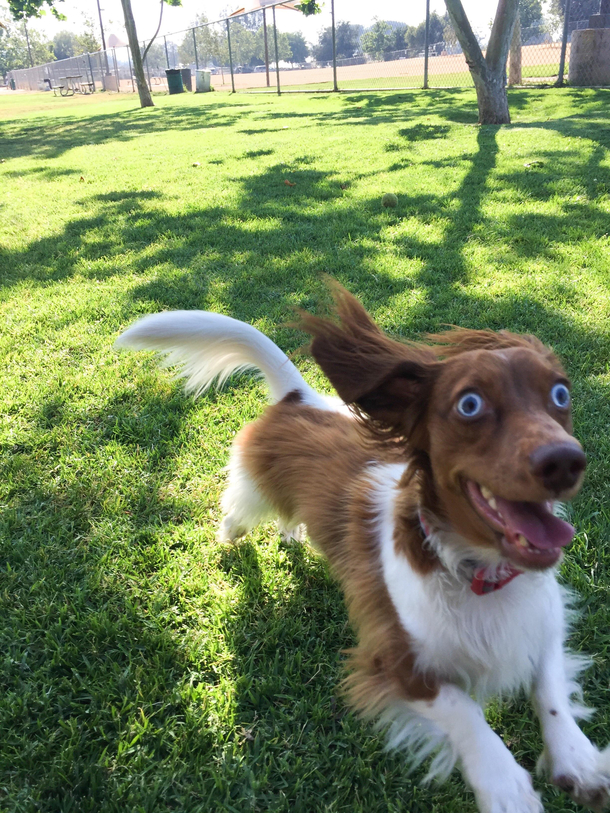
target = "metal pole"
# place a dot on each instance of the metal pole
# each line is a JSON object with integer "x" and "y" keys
{"x": 266, "y": 48}
{"x": 116, "y": 69}
{"x": 91, "y": 71}
{"x": 334, "y": 33}
{"x": 277, "y": 58}
{"x": 564, "y": 44}
{"x": 230, "y": 56}
{"x": 130, "y": 69}
{"x": 166, "y": 54}
{"x": 195, "y": 47}
{"x": 99, "y": 11}
{"x": 426, "y": 44}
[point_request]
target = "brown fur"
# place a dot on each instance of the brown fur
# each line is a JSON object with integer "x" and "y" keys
{"x": 311, "y": 464}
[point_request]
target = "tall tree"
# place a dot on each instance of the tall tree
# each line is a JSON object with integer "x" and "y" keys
{"x": 299, "y": 49}
{"x": 530, "y": 13}
{"x": 86, "y": 39}
{"x": 64, "y": 44}
{"x": 489, "y": 71}
{"x": 134, "y": 45}
{"x": 347, "y": 39}
{"x": 14, "y": 49}
{"x": 377, "y": 39}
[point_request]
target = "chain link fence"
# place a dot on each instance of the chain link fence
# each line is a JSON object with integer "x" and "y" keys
{"x": 259, "y": 52}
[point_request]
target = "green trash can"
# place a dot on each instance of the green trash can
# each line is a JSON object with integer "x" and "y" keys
{"x": 174, "y": 81}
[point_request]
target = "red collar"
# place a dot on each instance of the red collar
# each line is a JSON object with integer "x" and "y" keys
{"x": 478, "y": 583}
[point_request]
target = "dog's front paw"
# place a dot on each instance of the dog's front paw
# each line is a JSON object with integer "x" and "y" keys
{"x": 511, "y": 793}
{"x": 586, "y": 780}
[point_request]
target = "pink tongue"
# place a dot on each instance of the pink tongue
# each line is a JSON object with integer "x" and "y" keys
{"x": 534, "y": 520}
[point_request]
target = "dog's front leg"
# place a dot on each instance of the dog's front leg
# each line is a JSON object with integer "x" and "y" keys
{"x": 569, "y": 759}
{"x": 499, "y": 783}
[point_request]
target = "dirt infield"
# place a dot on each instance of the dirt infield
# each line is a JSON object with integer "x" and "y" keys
{"x": 451, "y": 70}
{"x": 449, "y": 66}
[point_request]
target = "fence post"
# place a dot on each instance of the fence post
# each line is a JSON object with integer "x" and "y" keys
{"x": 116, "y": 68}
{"x": 332, "y": 19}
{"x": 195, "y": 47}
{"x": 564, "y": 44}
{"x": 277, "y": 58}
{"x": 166, "y": 54}
{"x": 230, "y": 56}
{"x": 426, "y": 44}
{"x": 130, "y": 69}
{"x": 266, "y": 45}
{"x": 91, "y": 71}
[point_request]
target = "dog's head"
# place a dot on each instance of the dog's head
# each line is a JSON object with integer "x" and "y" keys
{"x": 488, "y": 412}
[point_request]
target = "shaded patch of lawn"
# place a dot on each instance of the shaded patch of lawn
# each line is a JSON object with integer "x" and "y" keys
{"x": 145, "y": 667}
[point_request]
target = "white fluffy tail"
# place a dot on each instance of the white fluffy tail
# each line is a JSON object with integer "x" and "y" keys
{"x": 209, "y": 347}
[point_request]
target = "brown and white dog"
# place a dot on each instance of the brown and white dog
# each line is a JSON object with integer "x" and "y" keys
{"x": 430, "y": 488}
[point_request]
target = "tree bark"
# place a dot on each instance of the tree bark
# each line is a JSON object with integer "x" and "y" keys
{"x": 515, "y": 76}
{"x": 489, "y": 71}
{"x": 491, "y": 98}
{"x": 138, "y": 66}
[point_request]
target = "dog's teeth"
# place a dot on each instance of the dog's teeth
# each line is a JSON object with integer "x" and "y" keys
{"x": 522, "y": 541}
{"x": 492, "y": 501}
{"x": 486, "y": 493}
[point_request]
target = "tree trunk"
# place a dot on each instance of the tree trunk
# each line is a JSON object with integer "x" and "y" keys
{"x": 491, "y": 98}
{"x": 514, "y": 64}
{"x": 489, "y": 71}
{"x": 138, "y": 67}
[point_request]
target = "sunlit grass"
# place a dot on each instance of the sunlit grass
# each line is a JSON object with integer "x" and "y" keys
{"x": 144, "y": 666}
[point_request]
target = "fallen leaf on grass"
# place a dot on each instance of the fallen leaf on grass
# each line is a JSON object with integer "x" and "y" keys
{"x": 289, "y": 183}
{"x": 196, "y": 164}
{"x": 82, "y": 178}
{"x": 534, "y": 164}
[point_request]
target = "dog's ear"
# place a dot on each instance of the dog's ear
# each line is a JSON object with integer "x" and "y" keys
{"x": 387, "y": 382}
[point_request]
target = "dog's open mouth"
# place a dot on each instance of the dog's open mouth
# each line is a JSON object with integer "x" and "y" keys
{"x": 531, "y": 535}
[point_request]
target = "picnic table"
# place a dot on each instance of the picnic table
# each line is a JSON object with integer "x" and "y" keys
{"x": 73, "y": 84}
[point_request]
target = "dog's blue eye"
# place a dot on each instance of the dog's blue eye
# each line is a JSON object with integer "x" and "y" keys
{"x": 470, "y": 405}
{"x": 560, "y": 395}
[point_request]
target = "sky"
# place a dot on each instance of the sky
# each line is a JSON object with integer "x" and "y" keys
{"x": 412, "y": 12}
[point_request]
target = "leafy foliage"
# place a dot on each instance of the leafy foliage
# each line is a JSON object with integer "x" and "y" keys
{"x": 309, "y": 7}
{"x": 24, "y": 9}
{"x": 530, "y": 13}
{"x": 14, "y": 49}
{"x": 347, "y": 39}
{"x": 299, "y": 48}
{"x": 377, "y": 39}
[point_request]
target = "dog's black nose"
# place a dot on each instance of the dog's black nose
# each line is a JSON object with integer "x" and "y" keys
{"x": 558, "y": 465}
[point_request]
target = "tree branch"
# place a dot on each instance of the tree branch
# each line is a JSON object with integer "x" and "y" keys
{"x": 465, "y": 35}
{"x": 155, "y": 34}
{"x": 501, "y": 32}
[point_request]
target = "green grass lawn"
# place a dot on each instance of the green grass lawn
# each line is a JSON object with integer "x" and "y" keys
{"x": 145, "y": 667}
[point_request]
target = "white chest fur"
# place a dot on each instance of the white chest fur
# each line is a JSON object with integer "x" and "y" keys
{"x": 490, "y": 644}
